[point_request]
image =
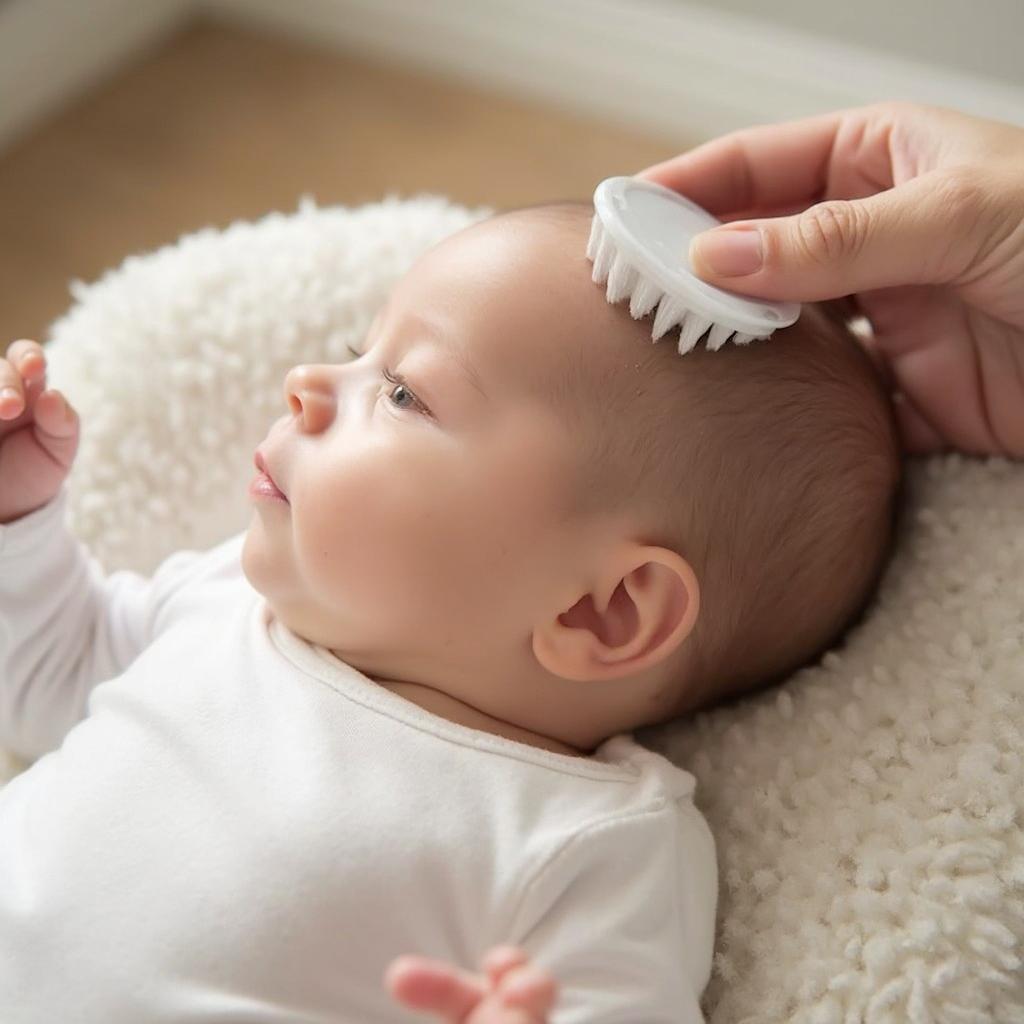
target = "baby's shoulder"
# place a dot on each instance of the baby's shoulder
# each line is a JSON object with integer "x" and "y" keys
{"x": 190, "y": 581}
{"x": 222, "y": 561}
{"x": 642, "y": 810}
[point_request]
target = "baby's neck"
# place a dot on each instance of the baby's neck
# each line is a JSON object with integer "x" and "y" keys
{"x": 445, "y": 706}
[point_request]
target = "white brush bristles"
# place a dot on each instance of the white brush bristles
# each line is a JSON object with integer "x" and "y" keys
{"x": 625, "y": 280}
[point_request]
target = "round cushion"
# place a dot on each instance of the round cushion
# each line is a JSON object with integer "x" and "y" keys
{"x": 867, "y": 812}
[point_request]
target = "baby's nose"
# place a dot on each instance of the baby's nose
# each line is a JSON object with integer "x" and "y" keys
{"x": 309, "y": 392}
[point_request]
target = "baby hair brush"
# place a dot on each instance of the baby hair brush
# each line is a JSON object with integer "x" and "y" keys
{"x": 640, "y": 243}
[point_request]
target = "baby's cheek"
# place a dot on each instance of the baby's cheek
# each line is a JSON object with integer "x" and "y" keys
{"x": 369, "y": 535}
{"x": 420, "y": 539}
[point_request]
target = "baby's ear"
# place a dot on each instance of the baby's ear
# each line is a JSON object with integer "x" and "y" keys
{"x": 645, "y": 605}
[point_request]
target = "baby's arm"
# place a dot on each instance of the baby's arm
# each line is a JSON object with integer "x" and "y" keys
{"x": 623, "y": 916}
{"x": 64, "y": 626}
{"x": 618, "y": 924}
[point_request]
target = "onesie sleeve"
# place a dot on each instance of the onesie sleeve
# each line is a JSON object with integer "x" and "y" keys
{"x": 65, "y": 626}
{"x": 623, "y": 916}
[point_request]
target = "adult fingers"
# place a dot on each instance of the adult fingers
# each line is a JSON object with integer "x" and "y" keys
{"x": 928, "y": 230}
{"x": 918, "y": 436}
{"x": 759, "y": 168}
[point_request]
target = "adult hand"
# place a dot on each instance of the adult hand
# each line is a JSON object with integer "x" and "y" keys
{"x": 510, "y": 991}
{"x": 915, "y": 212}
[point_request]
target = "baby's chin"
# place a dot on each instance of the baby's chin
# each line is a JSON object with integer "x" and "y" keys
{"x": 255, "y": 559}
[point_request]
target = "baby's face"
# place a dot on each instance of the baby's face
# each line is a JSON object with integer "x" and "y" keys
{"x": 423, "y": 536}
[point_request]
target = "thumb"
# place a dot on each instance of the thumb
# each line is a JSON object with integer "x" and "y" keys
{"x": 904, "y": 235}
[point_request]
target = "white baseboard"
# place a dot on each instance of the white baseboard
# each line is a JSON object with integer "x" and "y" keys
{"x": 671, "y": 68}
{"x": 52, "y": 50}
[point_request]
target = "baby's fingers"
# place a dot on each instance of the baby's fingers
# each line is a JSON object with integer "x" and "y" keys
{"x": 531, "y": 989}
{"x": 24, "y": 366}
{"x": 56, "y": 420}
{"x": 424, "y": 984}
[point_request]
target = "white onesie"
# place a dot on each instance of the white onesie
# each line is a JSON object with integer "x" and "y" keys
{"x": 236, "y": 826}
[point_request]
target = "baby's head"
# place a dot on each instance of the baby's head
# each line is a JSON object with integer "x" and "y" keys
{"x": 555, "y": 521}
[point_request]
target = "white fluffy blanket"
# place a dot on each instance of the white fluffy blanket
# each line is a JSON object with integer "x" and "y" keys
{"x": 868, "y": 813}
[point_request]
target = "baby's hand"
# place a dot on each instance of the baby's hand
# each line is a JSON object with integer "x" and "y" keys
{"x": 39, "y": 433}
{"x": 510, "y": 992}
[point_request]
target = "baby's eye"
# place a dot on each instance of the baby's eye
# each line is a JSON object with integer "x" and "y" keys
{"x": 400, "y": 387}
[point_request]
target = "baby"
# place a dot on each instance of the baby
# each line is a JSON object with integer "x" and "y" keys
{"x": 395, "y": 715}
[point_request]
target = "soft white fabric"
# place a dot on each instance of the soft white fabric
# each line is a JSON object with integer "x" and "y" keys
{"x": 248, "y": 828}
{"x": 867, "y": 813}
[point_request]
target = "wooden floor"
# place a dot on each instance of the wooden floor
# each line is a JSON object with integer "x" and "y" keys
{"x": 221, "y": 123}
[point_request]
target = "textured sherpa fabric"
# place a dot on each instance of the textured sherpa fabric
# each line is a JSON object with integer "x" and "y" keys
{"x": 867, "y": 813}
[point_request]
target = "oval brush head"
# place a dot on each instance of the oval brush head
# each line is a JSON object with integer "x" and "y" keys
{"x": 640, "y": 242}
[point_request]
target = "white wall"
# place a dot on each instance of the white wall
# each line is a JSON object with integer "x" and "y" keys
{"x": 52, "y": 50}
{"x": 677, "y": 69}
{"x": 683, "y": 70}
{"x": 977, "y": 37}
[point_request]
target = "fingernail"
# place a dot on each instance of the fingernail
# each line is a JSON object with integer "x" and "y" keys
{"x": 730, "y": 252}
{"x": 6, "y": 393}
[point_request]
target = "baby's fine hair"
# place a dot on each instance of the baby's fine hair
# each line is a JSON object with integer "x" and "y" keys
{"x": 773, "y": 468}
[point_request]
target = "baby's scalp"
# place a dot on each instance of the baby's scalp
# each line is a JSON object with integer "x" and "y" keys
{"x": 773, "y": 468}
